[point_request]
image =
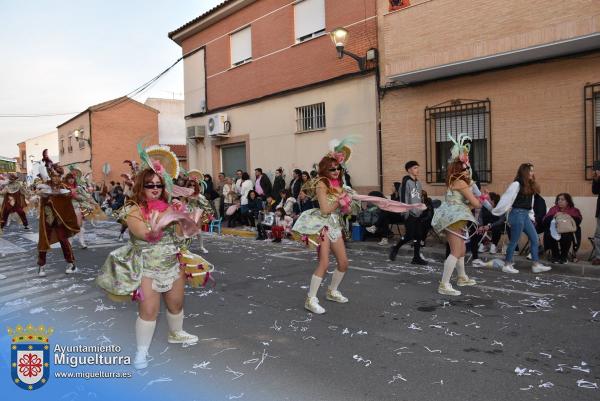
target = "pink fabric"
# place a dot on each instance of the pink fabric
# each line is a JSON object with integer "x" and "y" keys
{"x": 182, "y": 191}
{"x": 187, "y": 224}
{"x": 158, "y": 205}
{"x": 345, "y": 201}
{"x": 335, "y": 182}
{"x": 389, "y": 205}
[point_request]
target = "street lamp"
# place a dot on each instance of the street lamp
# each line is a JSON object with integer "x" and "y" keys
{"x": 78, "y": 134}
{"x": 339, "y": 37}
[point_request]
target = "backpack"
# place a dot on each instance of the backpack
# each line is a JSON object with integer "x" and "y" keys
{"x": 368, "y": 217}
{"x": 402, "y": 187}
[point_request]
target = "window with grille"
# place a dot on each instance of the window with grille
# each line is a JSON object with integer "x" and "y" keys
{"x": 450, "y": 119}
{"x": 309, "y": 19}
{"x": 70, "y": 147}
{"x": 62, "y": 146}
{"x": 591, "y": 117}
{"x": 310, "y": 118}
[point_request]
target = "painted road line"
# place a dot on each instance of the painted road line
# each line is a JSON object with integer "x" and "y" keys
{"x": 532, "y": 294}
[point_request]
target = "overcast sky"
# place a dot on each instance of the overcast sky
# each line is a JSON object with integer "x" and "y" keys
{"x": 61, "y": 56}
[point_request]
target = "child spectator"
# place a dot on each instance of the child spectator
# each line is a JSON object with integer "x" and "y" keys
{"x": 282, "y": 226}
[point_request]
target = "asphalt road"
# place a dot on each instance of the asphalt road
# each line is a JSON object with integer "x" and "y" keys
{"x": 518, "y": 337}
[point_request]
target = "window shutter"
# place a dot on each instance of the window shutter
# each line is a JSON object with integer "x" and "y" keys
{"x": 472, "y": 124}
{"x": 309, "y": 17}
{"x": 241, "y": 46}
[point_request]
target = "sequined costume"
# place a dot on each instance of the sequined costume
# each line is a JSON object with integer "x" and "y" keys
{"x": 453, "y": 214}
{"x": 312, "y": 222}
{"x": 122, "y": 272}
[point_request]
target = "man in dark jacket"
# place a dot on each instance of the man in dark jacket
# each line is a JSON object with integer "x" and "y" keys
{"x": 296, "y": 183}
{"x": 412, "y": 193}
{"x": 262, "y": 185}
{"x": 596, "y": 191}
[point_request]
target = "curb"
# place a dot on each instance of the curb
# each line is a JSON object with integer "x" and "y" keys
{"x": 570, "y": 268}
{"x": 238, "y": 233}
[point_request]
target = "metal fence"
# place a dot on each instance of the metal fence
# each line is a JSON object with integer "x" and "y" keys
{"x": 450, "y": 119}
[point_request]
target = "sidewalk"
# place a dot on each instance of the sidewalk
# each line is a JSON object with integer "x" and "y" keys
{"x": 437, "y": 251}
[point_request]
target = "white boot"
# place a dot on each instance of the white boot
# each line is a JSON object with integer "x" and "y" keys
{"x": 446, "y": 289}
{"x": 41, "y": 271}
{"x": 141, "y": 358}
{"x": 144, "y": 330}
{"x": 176, "y": 333}
{"x": 493, "y": 248}
{"x": 312, "y": 304}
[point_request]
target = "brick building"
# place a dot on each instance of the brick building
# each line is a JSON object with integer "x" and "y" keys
{"x": 107, "y": 133}
{"x": 264, "y": 87}
{"x": 522, "y": 78}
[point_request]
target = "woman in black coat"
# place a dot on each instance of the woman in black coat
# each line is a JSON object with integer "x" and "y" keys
{"x": 278, "y": 184}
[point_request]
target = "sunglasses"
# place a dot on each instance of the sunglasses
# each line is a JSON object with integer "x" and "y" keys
{"x": 334, "y": 169}
{"x": 154, "y": 186}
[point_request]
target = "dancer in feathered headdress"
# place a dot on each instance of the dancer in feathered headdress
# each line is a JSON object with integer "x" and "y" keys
{"x": 58, "y": 220}
{"x": 15, "y": 194}
{"x": 83, "y": 202}
{"x": 454, "y": 215}
{"x": 154, "y": 262}
{"x": 324, "y": 226}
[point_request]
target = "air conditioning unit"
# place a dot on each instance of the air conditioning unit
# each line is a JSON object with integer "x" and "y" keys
{"x": 196, "y": 132}
{"x": 218, "y": 125}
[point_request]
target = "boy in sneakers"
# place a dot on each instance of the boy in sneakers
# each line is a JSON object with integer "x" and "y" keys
{"x": 411, "y": 192}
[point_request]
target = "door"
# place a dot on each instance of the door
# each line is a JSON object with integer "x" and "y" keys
{"x": 233, "y": 157}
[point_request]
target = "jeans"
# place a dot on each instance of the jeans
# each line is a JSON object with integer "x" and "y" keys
{"x": 519, "y": 222}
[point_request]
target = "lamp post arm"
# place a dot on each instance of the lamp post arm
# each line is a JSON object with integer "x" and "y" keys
{"x": 362, "y": 61}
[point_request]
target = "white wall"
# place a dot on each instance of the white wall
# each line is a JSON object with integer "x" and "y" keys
{"x": 194, "y": 83}
{"x": 35, "y": 146}
{"x": 350, "y": 108}
{"x": 171, "y": 122}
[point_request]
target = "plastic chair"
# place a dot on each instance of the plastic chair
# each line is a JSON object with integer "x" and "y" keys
{"x": 216, "y": 223}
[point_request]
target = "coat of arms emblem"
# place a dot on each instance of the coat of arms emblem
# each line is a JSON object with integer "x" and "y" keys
{"x": 30, "y": 355}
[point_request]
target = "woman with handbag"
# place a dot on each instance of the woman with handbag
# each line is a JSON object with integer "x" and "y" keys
{"x": 560, "y": 226}
{"x": 518, "y": 201}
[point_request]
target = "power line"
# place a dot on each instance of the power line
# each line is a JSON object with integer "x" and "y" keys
{"x": 139, "y": 90}
{"x": 36, "y": 115}
{"x": 113, "y": 103}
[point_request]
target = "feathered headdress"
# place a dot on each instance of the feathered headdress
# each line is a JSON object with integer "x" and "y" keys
{"x": 162, "y": 161}
{"x": 77, "y": 174}
{"x": 341, "y": 150}
{"x": 461, "y": 148}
